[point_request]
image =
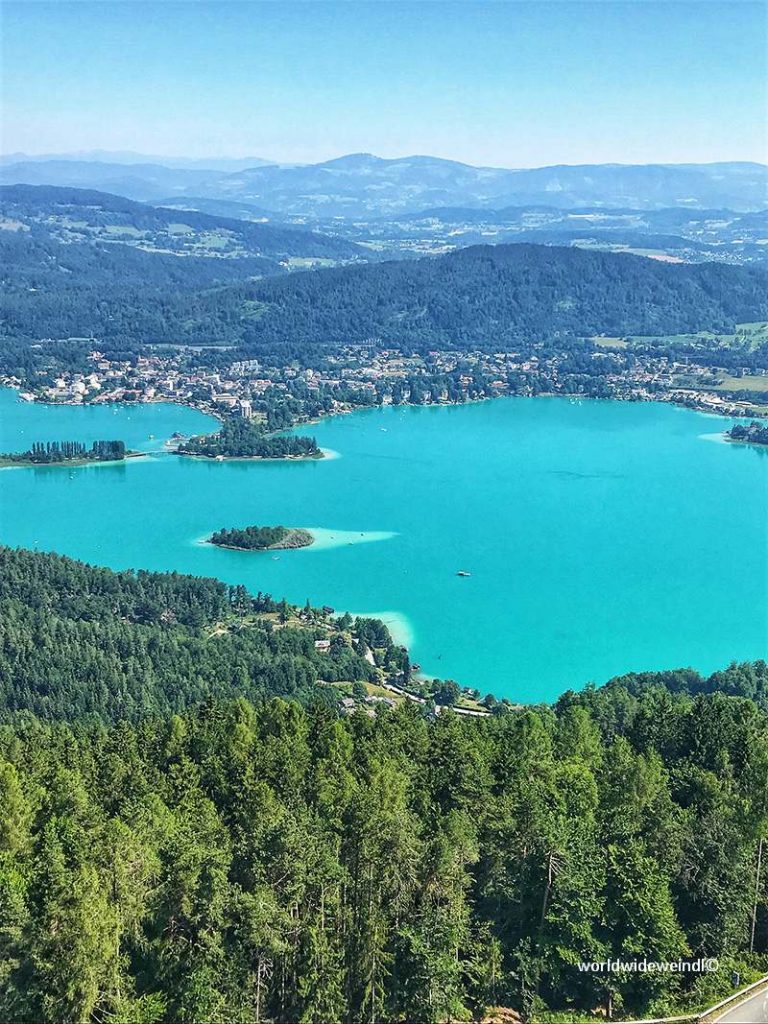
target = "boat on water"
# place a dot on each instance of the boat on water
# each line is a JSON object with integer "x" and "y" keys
{"x": 462, "y": 572}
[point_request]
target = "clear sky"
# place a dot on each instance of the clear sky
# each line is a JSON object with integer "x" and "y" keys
{"x": 497, "y": 82}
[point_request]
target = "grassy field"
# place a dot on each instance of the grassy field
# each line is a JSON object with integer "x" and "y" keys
{"x": 122, "y": 231}
{"x": 603, "y": 342}
{"x": 748, "y": 336}
{"x": 471, "y": 705}
{"x": 214, "y": 240}
{"x": 374, "y": 690}
{"x": 305, "y": 262}
{"x": 651, "y": 254}
{"x": 749, "y": 382}
{"x": 9, "y": 224}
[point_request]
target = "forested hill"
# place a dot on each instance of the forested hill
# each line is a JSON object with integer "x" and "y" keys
{"x": 215, "y": 858}
{"x": 113, "y": 293}
{"x": 79, "y": 641}
{"x": 488, "y": 296}
{"x": 749, "y": 679}
{"x": 484, "y": 296}
{"x": 78, "y": 215}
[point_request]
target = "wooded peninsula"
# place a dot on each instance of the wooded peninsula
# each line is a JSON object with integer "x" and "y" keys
{"x": 243, "y": 439}
{"x": 52, "y": 453}
{"x": 262, "y": 538}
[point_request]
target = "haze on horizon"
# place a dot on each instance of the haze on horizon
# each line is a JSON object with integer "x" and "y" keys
{"x": 503, "y": 84}
{"x": 221, "y": 160}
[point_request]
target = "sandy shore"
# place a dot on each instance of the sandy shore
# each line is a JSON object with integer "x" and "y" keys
{"x": 399, "y": 625}
{"x": 325, "y": 538}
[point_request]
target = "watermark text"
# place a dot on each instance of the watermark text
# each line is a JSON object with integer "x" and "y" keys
{"x": 703, "y": 965}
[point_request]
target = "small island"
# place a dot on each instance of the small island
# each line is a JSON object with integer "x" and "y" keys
{"x": 243, "y": 439}
{"x": 66, "y": 453}
{"x": 262, "y": 538}
{"x": 753, "y": 433}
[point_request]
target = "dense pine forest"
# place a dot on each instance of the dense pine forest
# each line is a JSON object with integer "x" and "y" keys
{"x": 180, "y": 843}
{"x": 102, "y": 291}
{"x": 76, "y": 641}
{"x": 488, "y": 297}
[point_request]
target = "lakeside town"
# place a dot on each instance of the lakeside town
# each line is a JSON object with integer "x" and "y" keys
{"x": 362, "y": 376}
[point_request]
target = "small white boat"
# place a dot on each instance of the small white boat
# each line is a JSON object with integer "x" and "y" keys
{"x": 462, "y": 572}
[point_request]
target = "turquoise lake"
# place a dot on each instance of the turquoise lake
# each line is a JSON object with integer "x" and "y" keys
{"x": 601, "y": 537}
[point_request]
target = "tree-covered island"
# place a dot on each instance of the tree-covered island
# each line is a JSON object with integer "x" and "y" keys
{"x": 243, "y": 439}
{"x": 752, "y": 433}
{"x": 262, "y": 538}
{"x": 54, "y": 453}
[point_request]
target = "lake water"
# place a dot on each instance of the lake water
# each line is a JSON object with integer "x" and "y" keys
{"x": 601, "y": 537}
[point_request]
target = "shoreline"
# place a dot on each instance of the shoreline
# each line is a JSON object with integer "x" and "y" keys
{"x": 146, "y": 455}
{"x": 746, "y": 442}
{"x": 249, "y": 458}
{"x": 627, "y": 399}
{"x": 29, "y": 399}
{"x": 668, "y": 398}
{"x": 69, "y": 463}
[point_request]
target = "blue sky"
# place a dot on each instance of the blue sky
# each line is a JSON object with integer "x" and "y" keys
{"x": 505, "y": 82}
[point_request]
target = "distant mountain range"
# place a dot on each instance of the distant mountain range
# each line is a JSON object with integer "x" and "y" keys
{"x": 362, "y": 185}
{"x": 127, "y": 157}
{"x": 134, "y": 181}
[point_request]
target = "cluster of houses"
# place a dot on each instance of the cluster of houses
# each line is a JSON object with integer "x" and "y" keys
{"x": 357, "y": 370}
{"x": 168, "y": 378}
{"x": 349, "y": 705}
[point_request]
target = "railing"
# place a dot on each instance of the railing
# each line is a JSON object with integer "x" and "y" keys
{"x": 712, "y": 1015}
{"x": 715, "y": 1012}
{"x": 694, "y": 1017}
